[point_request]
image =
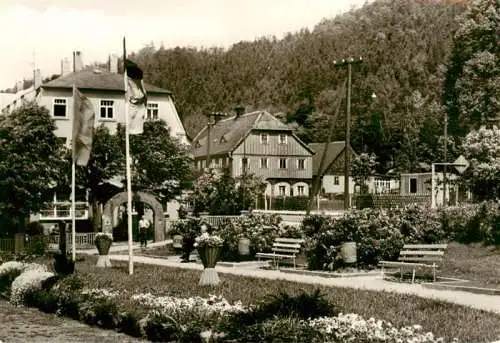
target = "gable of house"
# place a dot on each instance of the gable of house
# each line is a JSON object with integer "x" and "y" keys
{"x": 233, "y": 135}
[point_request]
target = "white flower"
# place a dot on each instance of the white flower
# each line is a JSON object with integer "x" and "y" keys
{"x": 7, "y": 267}
{"x": 104, "y": 234}
{"x": 205, "y": 239}
{"x": 100, "y": 293}
{"x": 29, "y": 281}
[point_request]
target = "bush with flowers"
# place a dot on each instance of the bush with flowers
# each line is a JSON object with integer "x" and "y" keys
{"x": 29, "y": 281}
{"x": 260, "y": 229}
{"x": 380, "y": 234}
{"x": 189, "y": 229}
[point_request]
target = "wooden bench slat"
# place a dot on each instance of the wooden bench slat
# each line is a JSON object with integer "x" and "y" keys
{"x": 419, "y": 259}
{"x": 289, "y": 240}
{"x": 425, "y": 246}
{"x": 425, "y": 253}
{"x": 290, "y": 246}
{"x": 292, "y": 251}
{"x": 398, "y": 264}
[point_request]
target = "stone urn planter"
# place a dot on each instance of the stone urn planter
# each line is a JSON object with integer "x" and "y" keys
{"x": 209, "y": 248}
{"x": 103, "y": 243}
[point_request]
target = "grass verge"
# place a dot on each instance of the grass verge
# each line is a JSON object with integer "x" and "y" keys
{"x": 443, "y": 319}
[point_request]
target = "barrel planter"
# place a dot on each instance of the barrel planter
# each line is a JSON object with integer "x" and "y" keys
{"x": 348, "y": 251}
{"x": 209, "y": 257}
{"x": 177, "y": 242}
{"x": 244, "y": 246}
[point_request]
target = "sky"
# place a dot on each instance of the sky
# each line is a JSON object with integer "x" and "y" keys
{"x": 43, "y": 32}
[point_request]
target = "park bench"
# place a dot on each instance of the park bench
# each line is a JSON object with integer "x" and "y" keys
{"x": 415, "y": 257}
{"x": 283, "y": 248}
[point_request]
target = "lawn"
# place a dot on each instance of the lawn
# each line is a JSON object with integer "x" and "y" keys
{"x": 443, "y": 319}
{"x": 474, "y": 262}
{"x": 22, "y": 324}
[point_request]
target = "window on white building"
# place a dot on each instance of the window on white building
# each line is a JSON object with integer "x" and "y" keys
{"x": 301, "y": 164}
{"x": 282, "y": 139}
{"x": 107, "y": 109}
{"x": 59, "y": 108}
{"x": 152, "y": 113}
{"x": 336, "y": 181}
{"x": 300, "y": 190}
{"x": 264, "y": 163}
{"x": 282, "y": 190}
{"x": 263, "y": 138}
{"x": 282, "y": 163}
{"x": 244, "y": 164}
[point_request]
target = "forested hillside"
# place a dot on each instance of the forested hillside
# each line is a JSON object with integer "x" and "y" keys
{"x": 405, "y": 45}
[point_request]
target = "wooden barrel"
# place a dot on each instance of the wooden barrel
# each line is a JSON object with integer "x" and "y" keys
{"x": 244, "y": 246}
{"x": 348, "y": 250}
{"x": 177, "y": 242}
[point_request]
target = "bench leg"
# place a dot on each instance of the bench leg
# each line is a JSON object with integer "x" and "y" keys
{"x": 401, "y": 274}
{"x": 294, "y": 262}
{"x": 434, "y": 273}
{"x": 382, "y": 273}
{"x": 413, "y": 276}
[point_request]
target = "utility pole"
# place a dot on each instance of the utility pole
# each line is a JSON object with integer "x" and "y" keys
{"x": 211, "y": 115}
{"x": 349, "y": 62}
{"x": 445, "y": 158}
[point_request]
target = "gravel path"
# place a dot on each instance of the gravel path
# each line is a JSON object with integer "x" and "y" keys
{"x": 21, "y": 324}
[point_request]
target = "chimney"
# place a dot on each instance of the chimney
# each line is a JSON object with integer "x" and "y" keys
{"x": 77, "y": 60}
{"x": 113, "y": 63}
{"x": 239, "y": 109}
{"x": 19, "y": 86}
{"x": 37, "y": 79}
{"x": 65, "y": 66}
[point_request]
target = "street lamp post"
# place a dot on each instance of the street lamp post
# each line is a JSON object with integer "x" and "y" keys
{"x": 349, "y": 62}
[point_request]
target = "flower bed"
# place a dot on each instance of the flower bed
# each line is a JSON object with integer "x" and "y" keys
{"x": 295, "y": 318}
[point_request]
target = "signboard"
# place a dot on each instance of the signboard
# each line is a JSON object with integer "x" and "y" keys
{"x": 461, "y": 164}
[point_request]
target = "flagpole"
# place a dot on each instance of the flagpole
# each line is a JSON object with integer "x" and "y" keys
{"x": 127, "y": 166}
{"x": 73, "y": 175}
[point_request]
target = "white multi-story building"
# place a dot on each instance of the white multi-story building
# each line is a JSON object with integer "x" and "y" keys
{"x": 105, "y": 89}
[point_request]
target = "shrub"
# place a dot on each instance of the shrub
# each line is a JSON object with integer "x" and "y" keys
{"x": 63, "y": 264}
{"x": 68, "y": 294}
{"x": 376, "y": 234}
{"x": 9, "y": 271}
{"x": 312, "y": 224}
{"x": 29, "y": 281}
{"x": 37, "y": 245}
{"x": 189, "y": 229}
{"x": 302, "y": 306}
{"x": 43, "y": 299}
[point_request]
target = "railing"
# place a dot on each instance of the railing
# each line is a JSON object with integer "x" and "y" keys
{"x": 7, "y": 244}
{"x": 82, "y": 241}
{"x": 62, "y": 211}
{"x": 218, "y": 220}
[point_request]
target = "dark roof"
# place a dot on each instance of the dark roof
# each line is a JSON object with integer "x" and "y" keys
{"x": 234, "y": 130}
{"x": 334, "y": 150}
{"x": 102, "y": 80}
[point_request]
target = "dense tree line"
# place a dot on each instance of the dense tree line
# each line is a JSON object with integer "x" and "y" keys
{"x": 405, "y": 45}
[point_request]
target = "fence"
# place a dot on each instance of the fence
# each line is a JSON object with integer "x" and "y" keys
{"x": 25, "y": 243}
{"x": 391, "y": 200}
{"x": 83, "y": 240}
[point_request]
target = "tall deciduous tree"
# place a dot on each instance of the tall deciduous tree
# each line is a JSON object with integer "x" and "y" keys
{"x": 160, "y": 163}
{"x": 31, "y": 161}
{"x": 472, "y": 87}
{"x": 482, "y": 149}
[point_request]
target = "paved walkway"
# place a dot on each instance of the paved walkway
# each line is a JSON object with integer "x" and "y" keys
{"x": 489, "y": 303}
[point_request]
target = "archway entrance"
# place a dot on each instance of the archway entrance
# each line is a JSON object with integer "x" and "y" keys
{"x": 108, "y": 220}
